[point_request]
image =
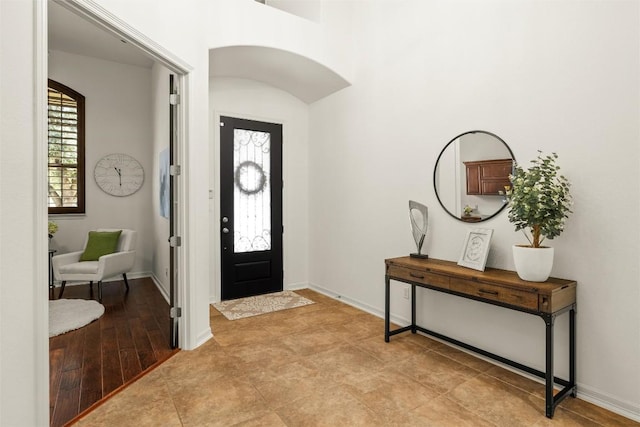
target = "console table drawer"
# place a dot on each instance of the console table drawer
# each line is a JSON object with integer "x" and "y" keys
{"x": 502, "y": 294}
{"x": 418, "y": 276}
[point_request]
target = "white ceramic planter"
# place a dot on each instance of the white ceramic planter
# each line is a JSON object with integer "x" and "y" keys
{"x": 533, "y": 264}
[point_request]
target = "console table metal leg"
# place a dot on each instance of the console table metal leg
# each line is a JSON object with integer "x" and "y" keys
{"x": 548, "y": 320}
{"x": 386, "y": 307}
{"x": 572, "y": 351}
{"x": 413, "y": 309}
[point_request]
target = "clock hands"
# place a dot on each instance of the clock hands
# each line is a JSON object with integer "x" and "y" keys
{"x": 119, "y": 171}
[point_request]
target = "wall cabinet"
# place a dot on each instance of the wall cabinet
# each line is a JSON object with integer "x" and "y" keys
{"x": 488, "y": 177}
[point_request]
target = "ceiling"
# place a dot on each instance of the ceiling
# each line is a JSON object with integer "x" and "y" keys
{"x": 71, "y": 33}
{"x": 300, "y": 76}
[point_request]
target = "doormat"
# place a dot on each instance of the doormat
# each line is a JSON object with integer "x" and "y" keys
{"x": 68, "y": 314}
{"x": 261, "y": 304}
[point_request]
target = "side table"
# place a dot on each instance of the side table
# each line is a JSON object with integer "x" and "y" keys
{"x": 51, "y": 252}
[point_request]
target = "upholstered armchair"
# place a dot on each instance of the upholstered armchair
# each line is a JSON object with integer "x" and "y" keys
{"x": 74, "y": 266}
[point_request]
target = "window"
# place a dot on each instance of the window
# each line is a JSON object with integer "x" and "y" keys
{"x": 66, "y": 150}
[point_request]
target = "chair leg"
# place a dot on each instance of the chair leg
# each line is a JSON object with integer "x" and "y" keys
{"x": 100, "y": 291}
{"x": 126, "y": 282}
{"x": 91, "y": 287}
{"x": 64, "y": 282}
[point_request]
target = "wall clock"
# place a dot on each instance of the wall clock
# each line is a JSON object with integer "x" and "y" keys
{"x": 118, "y": 174}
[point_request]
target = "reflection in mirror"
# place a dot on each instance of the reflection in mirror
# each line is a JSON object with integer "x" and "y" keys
{"x": 469, "y": 172}
{"x": 419, "y": 216}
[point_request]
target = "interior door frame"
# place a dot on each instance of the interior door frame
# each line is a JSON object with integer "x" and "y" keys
{"x": 214, "y": 196}
{"x": 102, "y": 18}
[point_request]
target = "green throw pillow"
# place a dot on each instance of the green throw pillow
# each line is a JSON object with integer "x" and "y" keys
{"x": 100, "y": 243}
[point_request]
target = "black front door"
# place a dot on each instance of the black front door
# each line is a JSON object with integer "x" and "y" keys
{"x": 250, "y": 207}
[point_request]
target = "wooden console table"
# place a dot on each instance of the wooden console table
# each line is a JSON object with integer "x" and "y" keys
{"x": 497, "y": 287}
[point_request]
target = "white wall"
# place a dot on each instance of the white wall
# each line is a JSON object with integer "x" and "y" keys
{"x": 23, "y": 303}
{"x": 257, "y": 101}
{"x": 248, "y": 23}
{"x": 308, "y": 9}
{"x": 555, "y": 76}
{"x": 160, "y": 224}
{"x": 118, "y": 120}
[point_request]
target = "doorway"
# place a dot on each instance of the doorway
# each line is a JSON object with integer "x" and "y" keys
{"x": 250, "y": 207}
{"x": 171, "y": 333}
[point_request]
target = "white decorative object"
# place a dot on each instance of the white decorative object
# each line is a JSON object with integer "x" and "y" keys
{"x": 476, "y": 248}
{"x": 119, "y": 175}
{"x": 533, "y": 264}
{"x": 419, "y": 217}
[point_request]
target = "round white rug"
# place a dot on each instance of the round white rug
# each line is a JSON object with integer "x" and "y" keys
{"x": 68, "y": 314}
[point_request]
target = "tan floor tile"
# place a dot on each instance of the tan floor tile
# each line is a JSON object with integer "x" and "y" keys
{"x": 223, "y": 398}
{"x": 444, "y": 412}
{"x": 209, "y": 360}
{"x": 147, "y": 402}
{"x": 247, "y": 334}
{"x": 287, "y": 325}
{"x": 563, "y": 418}
{"x": 352, "y": 311}
{"x": 436, "y": 371}
{"x": 269, "y": 419}
{"x": 317, "y": 297}
{"x": 595, "y": 413}
{"x": 517, "y": 380}
{"x": 419, "y": 339}
{"x": 389, "y": 391}
{"x": 270, "y": 353}
{"x": 343, "y": 362}
{"x": 311, "y": 341}
{"x": 327, "y": 364}
{"x": 464, "y": 358}
{"x": 280, "y": 392}
{"x": 333, "y": 407}
{"x": 328, "y": 316}
{"x": 391, "y": 352}
{"x": 498, "y": 402}
{"x": 354, "y": 331}
{"x": 301, "y": 368}
{"x": 246, "y": 416}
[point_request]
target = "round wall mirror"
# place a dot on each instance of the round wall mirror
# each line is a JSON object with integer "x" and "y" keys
{"x": 470, "y": 172}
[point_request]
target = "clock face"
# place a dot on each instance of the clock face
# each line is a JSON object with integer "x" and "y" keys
{"x": 119, "y": 175}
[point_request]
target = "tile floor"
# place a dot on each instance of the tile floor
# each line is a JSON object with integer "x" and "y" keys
{"x": 327, "y": 364}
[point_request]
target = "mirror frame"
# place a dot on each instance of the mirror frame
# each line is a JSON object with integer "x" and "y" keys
{"x": 435, "y": 170}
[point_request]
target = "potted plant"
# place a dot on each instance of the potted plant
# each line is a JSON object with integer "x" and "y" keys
{"x": 539, "y": 203}
{"x": 52, "y": 228}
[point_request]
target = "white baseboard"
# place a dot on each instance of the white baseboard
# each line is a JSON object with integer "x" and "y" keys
{"x": 589, "y": 394}
{"x": 296, "y": 286}
{"x": 158, "y": 284}
{"x": 203, "y": 337}
{"x": 400, "y": 321}
{"x": 609, "y": 402}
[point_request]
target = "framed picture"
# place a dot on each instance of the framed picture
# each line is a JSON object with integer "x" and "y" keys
{"x": 476, "y": 248}
{"x": 163, "y": 188}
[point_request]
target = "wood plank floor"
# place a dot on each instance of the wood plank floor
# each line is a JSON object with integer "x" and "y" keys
{"x": 88, "y": 364}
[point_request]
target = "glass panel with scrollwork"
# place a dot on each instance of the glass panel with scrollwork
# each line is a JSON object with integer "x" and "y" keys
{"x": 252, "y": 191}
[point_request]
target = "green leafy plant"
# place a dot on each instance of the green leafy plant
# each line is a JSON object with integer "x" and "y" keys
{"x": 539, "y": 199}
{"x": 53, "y": 227}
